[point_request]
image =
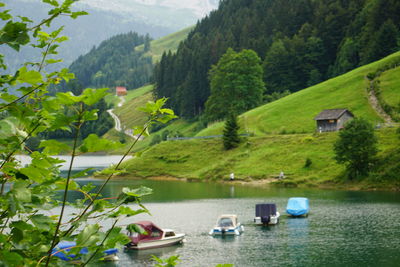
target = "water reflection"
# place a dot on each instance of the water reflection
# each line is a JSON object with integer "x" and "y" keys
{"x": 297, "y": 229}
{"x": 145, "y": 255}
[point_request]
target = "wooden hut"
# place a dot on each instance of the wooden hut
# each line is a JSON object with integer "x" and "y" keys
{"x": 120, "y": 91}
{"x": 330, "y": 120}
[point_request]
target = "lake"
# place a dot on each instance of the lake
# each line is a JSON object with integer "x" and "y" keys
{"x": 344, "y": 228}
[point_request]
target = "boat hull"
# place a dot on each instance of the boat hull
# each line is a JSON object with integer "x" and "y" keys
{"x": 165, "y": 242}
{"x": 273, "y": 220}
{"x": 218, "y": 231}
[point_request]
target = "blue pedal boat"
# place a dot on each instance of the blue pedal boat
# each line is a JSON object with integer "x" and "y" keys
{"x": 62, "y": 249}
{"x": 298, "y": 206}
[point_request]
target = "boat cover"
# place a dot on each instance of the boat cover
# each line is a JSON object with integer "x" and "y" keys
{"x": 227, "y": 220}
{"x": 153, "y": 232}
{"x": 265, "y": 210}
{"x": 297, "y": 206}
{"x": 65, "y": 246}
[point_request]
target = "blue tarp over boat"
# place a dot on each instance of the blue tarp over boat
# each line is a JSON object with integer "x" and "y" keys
{"x": 297, "y": 206}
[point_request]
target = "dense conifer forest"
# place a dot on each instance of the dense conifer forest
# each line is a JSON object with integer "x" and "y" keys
{"x": 115, "y": 62}
{"x": 300, "y": 43}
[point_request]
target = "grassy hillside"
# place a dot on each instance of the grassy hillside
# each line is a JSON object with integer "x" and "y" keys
{"x": 257, "y": 158}
{"x": 268, "y": 152}
{"x": 167, "y": 43}
{"x": 128, "y": 113}
{"x": 390, "y": 87}
{"x": 295, "y": 113}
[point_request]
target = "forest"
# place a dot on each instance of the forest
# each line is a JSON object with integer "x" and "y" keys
{"x": 115, "y": 63}
{"x": 300, "y": 43}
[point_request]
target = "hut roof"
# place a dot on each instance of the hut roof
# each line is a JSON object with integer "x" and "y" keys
{"x": 121, "y": 89}
{"x": 331, "y": 114}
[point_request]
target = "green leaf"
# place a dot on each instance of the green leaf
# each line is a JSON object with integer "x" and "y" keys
{"x": 137, "y": 192}
{"x": 93, "y": 143}
{"x": 135, "y": 228}
{"x": 21, "y": 192}
{"x": 90, "y": 115}
{"x": 89, "y": 235}
{"x": 53, "y": 147}
{"x": 66, "y": 75}
{"x": 82, "y": 173}
{"x": 7, "y": 127}
{"x": 74, "y": 15}
{"x": 15, "y": 34}
{"x": 33, "y": 173}
{"x": 11, "y": 258}
{"x": 127, "y": 211}
{"x": 60, "y": 185}
{"x": 92, "y": 96}
{"x": 53, "y": 61}
{"x": 4, "y": 15}
{"x": 8, "y": 98}
{"x": 31, "y": 76}
{"x": 42, "y": 222}
{"x": 68, "y": 98}
{"x": 51, "y": 2}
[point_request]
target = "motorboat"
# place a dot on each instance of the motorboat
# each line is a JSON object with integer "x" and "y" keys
{"x": 152, "y": 236}
{"x": 298, "y": 206}
{"x": 227, "y": 224}
{"x": 266, "y": 214}
{"x": 63, "y": 247}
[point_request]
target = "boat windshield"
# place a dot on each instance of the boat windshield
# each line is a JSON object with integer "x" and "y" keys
{"x": 225, "y": 222}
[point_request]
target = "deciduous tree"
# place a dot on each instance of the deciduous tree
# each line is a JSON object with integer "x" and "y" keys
{"x": 356, "y": 147}
{"x": 236, "y": 84}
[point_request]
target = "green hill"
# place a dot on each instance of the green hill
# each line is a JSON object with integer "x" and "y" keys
{"x": 165, "y": 44}
{"x": 295, "y": 113}
{"x": 270, "y": 150}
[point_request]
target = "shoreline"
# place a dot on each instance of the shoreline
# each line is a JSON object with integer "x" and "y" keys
{"x": 269, "y": 182}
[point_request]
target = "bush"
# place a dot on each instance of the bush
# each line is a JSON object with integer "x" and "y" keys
{"x": 155, "y": 140}
{"x": 308, "y": 163}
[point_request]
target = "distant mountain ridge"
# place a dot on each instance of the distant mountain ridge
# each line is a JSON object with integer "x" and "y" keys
{"x": 107, "y": 18}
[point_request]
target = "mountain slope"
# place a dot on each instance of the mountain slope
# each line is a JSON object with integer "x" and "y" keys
{"x": 122, "y": 60}
{"x": 165, "y": 44}
{"x": 300, "y": 42}
{"x": 107, "y": 18}
{"x": 295, "y": 113}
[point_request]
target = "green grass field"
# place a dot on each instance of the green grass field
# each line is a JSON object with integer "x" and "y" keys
{"x": 256, "y": 158}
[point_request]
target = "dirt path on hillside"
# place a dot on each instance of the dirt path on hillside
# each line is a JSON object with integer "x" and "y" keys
{"x": 118, "y": 126}
{"x": 373, "y": 100}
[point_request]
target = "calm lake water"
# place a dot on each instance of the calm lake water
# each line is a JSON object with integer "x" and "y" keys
{"x": 344, "y": 228}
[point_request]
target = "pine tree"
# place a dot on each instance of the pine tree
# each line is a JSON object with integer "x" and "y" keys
{"x": 231, "y": 137}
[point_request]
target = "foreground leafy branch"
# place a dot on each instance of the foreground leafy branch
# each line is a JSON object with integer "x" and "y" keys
{"x": 29, "y": 193}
